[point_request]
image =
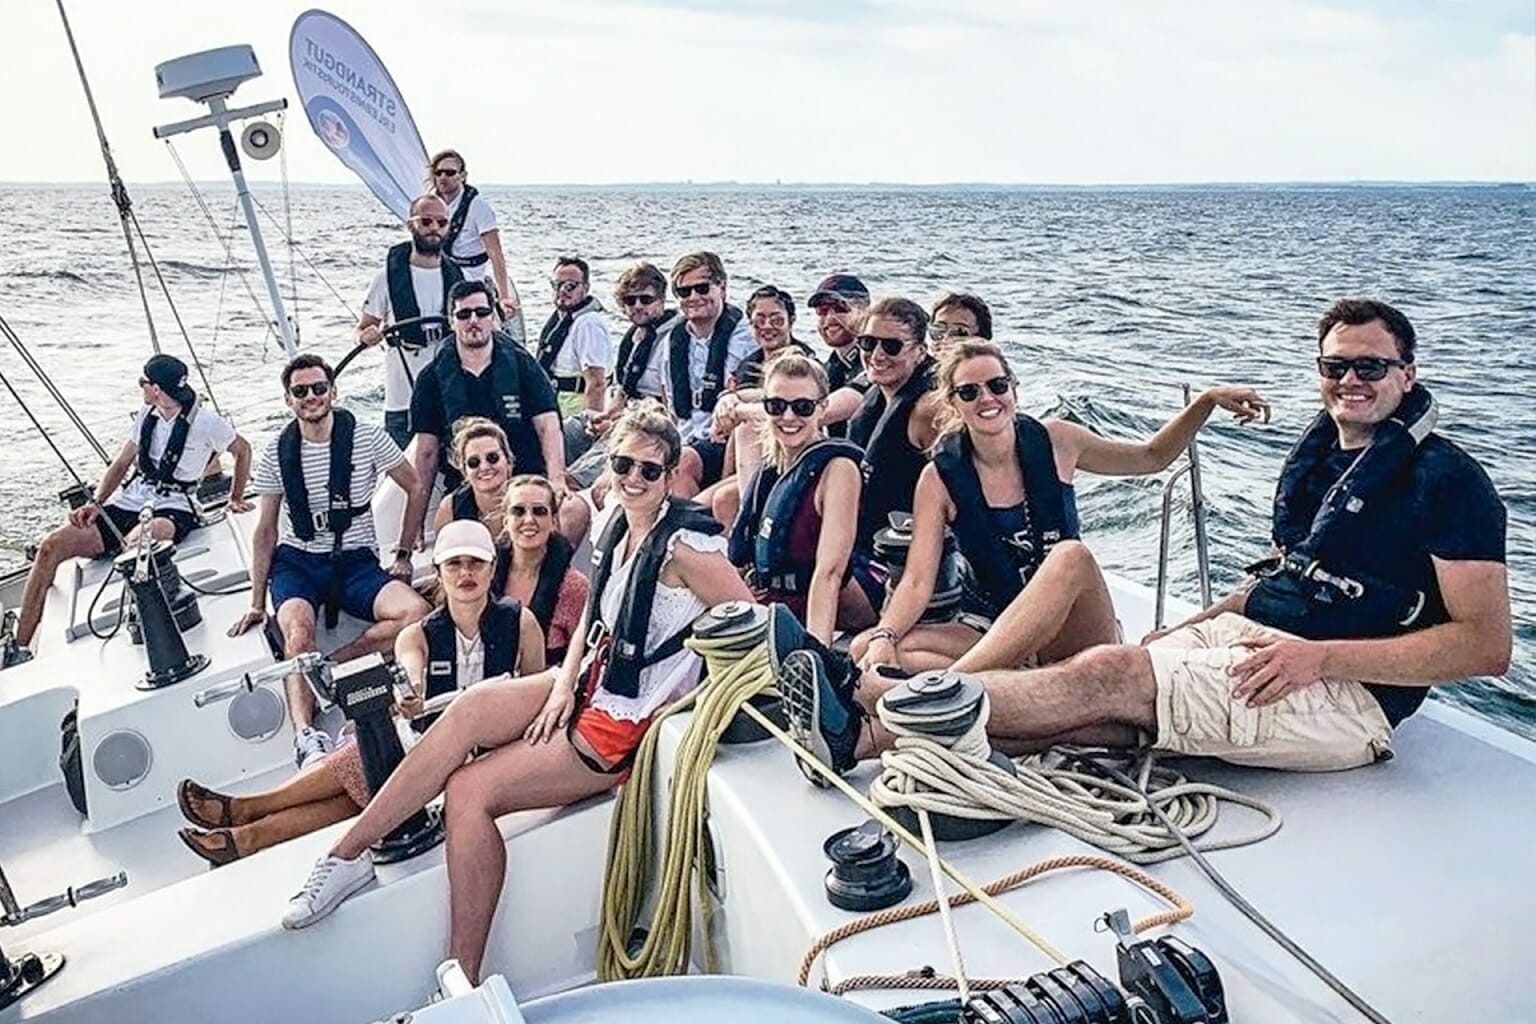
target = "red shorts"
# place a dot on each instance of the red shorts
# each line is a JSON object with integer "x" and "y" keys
{"x": 611, "y": 739}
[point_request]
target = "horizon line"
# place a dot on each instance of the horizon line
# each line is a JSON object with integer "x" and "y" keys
{"x": 889, "y": 185}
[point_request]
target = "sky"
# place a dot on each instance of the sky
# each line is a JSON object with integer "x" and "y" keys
{"x": 919, "y": 91}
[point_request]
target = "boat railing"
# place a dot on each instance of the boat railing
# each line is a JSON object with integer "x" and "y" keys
{"x": 1190, "y": 468}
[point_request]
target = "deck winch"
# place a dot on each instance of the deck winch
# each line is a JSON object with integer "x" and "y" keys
{"x": 891, "y": 547}
{"x": 741, "y": 625}
{"x": 162, "y": 608}
{"x": 866, "y": 875}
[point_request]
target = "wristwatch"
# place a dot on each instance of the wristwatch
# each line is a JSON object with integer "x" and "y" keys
{"x": 402, "y": 553}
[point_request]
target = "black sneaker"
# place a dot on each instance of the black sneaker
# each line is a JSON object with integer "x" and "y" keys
{"x": 821, "y": 719}
{"x": 786, "y": 634}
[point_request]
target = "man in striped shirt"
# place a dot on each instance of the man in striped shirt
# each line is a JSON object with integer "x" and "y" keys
{"x": 314, "y": 545}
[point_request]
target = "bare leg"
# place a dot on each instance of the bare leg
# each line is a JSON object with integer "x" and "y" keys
{"x": 313, "y": 785}
{"x": 1064, "y": 609}
{"x": 394, "y": 607}
{"x": 62, "y": 544}
{"x": 727, "y": 502}
{"x": 575, "y": 519}
{"x": 936, "y": 647}
{"x": 491, "y": 714}
{"x": 516, "y": 777}
{"x": 292, "y": 822}
{"x": 1116, "y": 737}
{"x": 296, "y": 619}
{"x": 689, "y": 477}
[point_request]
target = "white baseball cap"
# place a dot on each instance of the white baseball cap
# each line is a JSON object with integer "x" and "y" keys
{"x": 464, "y": 537}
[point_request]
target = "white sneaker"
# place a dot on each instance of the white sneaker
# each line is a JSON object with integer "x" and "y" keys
{"x": 330, "y": 881}
{"x": 309, "y": 746}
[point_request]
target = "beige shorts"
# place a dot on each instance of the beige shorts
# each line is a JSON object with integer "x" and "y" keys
{"x": 1328, "y": 726}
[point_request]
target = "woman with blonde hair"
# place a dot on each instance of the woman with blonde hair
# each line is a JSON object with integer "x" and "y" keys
{"x": 482, "y": 455}
{"x": 559, "y": 736}
{"x": 1004, "y": 482}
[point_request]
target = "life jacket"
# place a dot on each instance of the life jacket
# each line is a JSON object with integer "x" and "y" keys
{"x": 761, "y": 535}
{"x": 402, "y": 293}
{"x": 456, "y": 228}
{"x": 891, "y": 463}
{"x": 162, "y": 474}
{"x": 684, "y": 400}
{"x": 626, "y": 655}
{"x": 462, "y": 503}
{"x": 507, "y": 383}
{"x": 556, "y": 329}
{"x": 546, "y": 591}
{"x": 1324, "y": 531}
{"x": 338, "y": 513}
{"x": 500, "y": 637}
{"x": 1000, "y": 565}
{"x": 844, "y": 375}
{"x": 635, "y": 350}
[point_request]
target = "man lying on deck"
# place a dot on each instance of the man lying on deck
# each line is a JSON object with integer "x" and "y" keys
{"x": 1388, "y": 578}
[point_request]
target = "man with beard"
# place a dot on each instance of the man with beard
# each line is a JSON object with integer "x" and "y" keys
{"x": 415, "y": 282}
{"x": 840, "y": 302}
{"x": 485, "y": 373}
{"x": 323, "y": 469}
{"x": 575, "y": 349}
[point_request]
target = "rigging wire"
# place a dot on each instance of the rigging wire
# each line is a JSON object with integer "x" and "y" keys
{"x": 293, "y": 271}
{"x": 40, "y": 428}
{"x": 305, "y": 257}
{"x": 53, "y": 392}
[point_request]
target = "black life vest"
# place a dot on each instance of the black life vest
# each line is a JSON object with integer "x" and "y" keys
{"x": 841, "y": 374}
{"x": 462, "y": 503}
{"x": 162, "y": 474}
{"x": 1324, "y": 531}
{"x": 684, "y": 401}
{"x": 1002, "y": 565}
{"x": 338, "y": 512}
{"x": 892, "y": 463}
{"x": 506, "y": 374}
{"x": 635, "y": 350}
{"x": 402, "y": 293}
{"x": 456, "y": 228}
{"x": 546, "y": 590}
{"x": 557, "y": 328}
{"x": 627, "y": 657}
{"x": 760, "y": 536}
{"x": 500, "y": 637}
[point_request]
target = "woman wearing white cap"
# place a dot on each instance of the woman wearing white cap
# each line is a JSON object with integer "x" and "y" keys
{"x": 469, "y": 637}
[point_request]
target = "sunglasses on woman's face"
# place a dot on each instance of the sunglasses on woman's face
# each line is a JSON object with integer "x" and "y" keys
{"x": 472, "y": 463}
{"x": 522, "y": 511}
{"x": 890, "y": 346}
{"x": 622, "y": 465}
{"x": 317, "y": 389}
{"x": 802, "y": 407}
{"x": 939, "y": 330}
{"x": 970, "y": 392}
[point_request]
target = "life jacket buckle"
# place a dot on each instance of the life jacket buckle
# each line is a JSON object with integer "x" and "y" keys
{"x": 1352, "y": 589}
{"x": 597, "y": 632}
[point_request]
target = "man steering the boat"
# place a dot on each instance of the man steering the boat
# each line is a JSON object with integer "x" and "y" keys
{"x": 1387, "y": 578}
{"x": 174, "y": 437}
{"x": 322, "y": 470}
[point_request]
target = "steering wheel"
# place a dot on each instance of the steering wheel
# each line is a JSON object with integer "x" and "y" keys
{"x": 392, "y": 336}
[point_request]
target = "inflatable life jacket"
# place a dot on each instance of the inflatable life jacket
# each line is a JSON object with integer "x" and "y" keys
{"x": 162, "y": 474}
{"x": 456, "y": 228}
{"x": 635, "y": 350}
{"x": 500, "y": 634}
{"x": 337, "y": 513}
{"x": 402, "y": 293}
{"x": 506, "y": 371}
{"x": 546, "y": 591}
{"x": 1323, "y": 530}
{"x": 554, "y": 332}
{"x": 627, "y": 656}
{"x": 761, "y": 535}
{"x": 1002, "y": 565}
{"x": 891, "y": 463}
{"x": 684, "y": 399}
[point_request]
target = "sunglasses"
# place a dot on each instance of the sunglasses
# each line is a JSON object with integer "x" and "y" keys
{"x": 827, "y": 306}
{"x": 441, "y": 222}
{"x": 446, "y": 172}
{"x": 970, "y": 392}
{"x": 489, "y": 458}
{"x": 639, "y": 299}
{"x": 622, "y": 465}
{"x": 318, "y": 388}
{"x": 802, "y": 407}
{"x": 536, "y": 511}
{"x": 939, "y": 330}
{"x": 1366, "y": 367}
{"x": 890, "y": 346}
{"x": 474, "y": 311}
{"x": 561, "y": 287}
{"x": 682, "y": 291}
{"x": 771, "y": 320}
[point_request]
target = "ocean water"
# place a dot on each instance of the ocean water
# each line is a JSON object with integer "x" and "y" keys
{"x": 1109, "y": 300}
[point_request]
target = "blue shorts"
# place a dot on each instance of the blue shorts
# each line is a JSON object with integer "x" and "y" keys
{"x": 712, "y": 454}
{"x": 870, "y": 576}
{"x": 300, "y": 574}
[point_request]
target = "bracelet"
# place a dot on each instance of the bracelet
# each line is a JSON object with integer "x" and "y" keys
{"x": 883, "y": 633}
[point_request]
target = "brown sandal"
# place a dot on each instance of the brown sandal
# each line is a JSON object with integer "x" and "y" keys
{"x": 188, "y": 791}
{"x": 196, "y": 842}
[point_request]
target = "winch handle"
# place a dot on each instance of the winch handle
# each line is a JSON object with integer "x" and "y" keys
{"x": 306, "y": 662}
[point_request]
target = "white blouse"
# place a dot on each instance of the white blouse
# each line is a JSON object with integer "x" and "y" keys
{"x": 675, "y": 607}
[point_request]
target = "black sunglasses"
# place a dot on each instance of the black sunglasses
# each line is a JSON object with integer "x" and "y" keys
{"x": 565, "y": 286}
{"x": 537, "y": 511}
{"x": 890, "y": 346}
{"x": 777, "y": 407}
{"x": 622, "y": 465}
{"x": 490, "y": 459}
{"x": 318, "y": 388}
{"x": 445, "y": 172}
{"x": 939, "y": 330}
{"x": 639, "y": 299}
{"x": 465, "y": 314}
{"x": 1365, "y": 367}
{"x": 972, "y": 391}
{"x": 682, "y": 291}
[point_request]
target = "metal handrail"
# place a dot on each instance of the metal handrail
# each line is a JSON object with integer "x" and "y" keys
{"x": 1202, "y": 543}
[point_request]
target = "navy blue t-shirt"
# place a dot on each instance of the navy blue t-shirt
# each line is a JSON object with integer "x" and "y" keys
{"x": 1443, "y": 505}
{"x": 429, "y": 417}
